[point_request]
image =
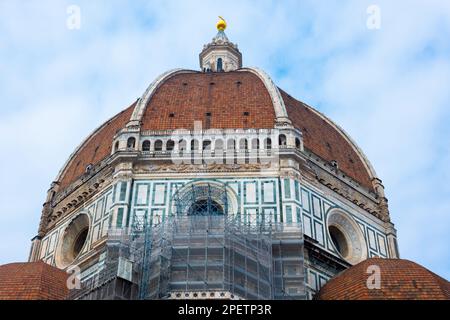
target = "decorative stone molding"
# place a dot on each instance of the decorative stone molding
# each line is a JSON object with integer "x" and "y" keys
{"x": 369, "y": 204}
{"x": 35, "y": 249}
{"x": 96, "y": 169}
{"x": 353, "y": 238}
{"x": 76, "y": 199}
{"x": 290, "y": 174}
{"x": 65, "y": 253}
{"x": 183, "y": 168}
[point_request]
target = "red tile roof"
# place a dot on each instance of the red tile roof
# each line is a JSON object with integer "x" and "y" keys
{"x": 226, "y": 96}
{"x": 324, "y": 140}
{"x": 219, "y": 100}
{"x": 400, "y": 280}
{"x": 96, "y": 148}
{"x": 32, "y": 281}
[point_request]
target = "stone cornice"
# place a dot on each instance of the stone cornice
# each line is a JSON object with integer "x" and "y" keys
{"x": 77, "y": 198}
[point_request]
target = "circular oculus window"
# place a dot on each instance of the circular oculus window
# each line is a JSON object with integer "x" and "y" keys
{"x": 346, "y": 236}
{"x": 73, "y": 241}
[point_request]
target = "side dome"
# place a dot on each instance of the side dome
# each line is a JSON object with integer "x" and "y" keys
{"x": 400, "y": 280}
{"x": 32, "y": 281}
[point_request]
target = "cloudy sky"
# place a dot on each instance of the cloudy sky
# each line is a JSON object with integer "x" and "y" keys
{"x": 388, "y": 87}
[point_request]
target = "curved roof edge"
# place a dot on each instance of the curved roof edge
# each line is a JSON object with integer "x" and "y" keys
{"x": 139, "y": 110}
{"x": 277, "y": 100}
{"x": 85, "y": 141}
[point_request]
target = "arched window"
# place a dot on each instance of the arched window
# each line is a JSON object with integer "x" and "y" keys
{"x": 297, "y": 143}
{"x": 131, "y": 143}
{"x": 268, "y": 143}
{"x": 206, "y": 145}
{"x": 219, "y": 65}
{"x": 170, "y": 145}
{"x": 116, "y": 146}
{"x": 158, "y": 145}
{"x": 146, "y": 145}
{"x": 182, "y": 145}
{"x": 205, "y": 207}
{"x": 282, "y": 140}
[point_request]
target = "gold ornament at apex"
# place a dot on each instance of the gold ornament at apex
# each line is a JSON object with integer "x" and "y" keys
{"x": 221, "y": 25}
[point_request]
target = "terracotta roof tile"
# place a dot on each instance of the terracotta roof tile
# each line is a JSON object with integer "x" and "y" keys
{"x": 32, "y": 281}
{"x": 324, "y": 140}
{"x": 225, "y": 96}
{"x": 96, "y": 148}
{"x": 400, "y": 279}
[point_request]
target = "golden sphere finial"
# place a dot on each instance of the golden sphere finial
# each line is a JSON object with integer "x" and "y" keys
{"x": 221, "y": 25}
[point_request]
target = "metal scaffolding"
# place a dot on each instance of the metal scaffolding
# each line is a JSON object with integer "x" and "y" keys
{"x": 205, "y": 253}
{"x": 202, "y": 249}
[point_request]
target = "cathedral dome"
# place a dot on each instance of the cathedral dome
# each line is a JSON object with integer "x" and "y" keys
{"x": 241, "y": 99}
{"x": 400, "y": 280}
{"x": 224, "y": 148}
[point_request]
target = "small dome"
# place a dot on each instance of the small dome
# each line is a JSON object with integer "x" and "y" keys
{"x": 400, "y": 280}
{"x": 32, "y": 281}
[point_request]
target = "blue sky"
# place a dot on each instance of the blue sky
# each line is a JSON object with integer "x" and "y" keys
{"x": 389, "y": 89}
